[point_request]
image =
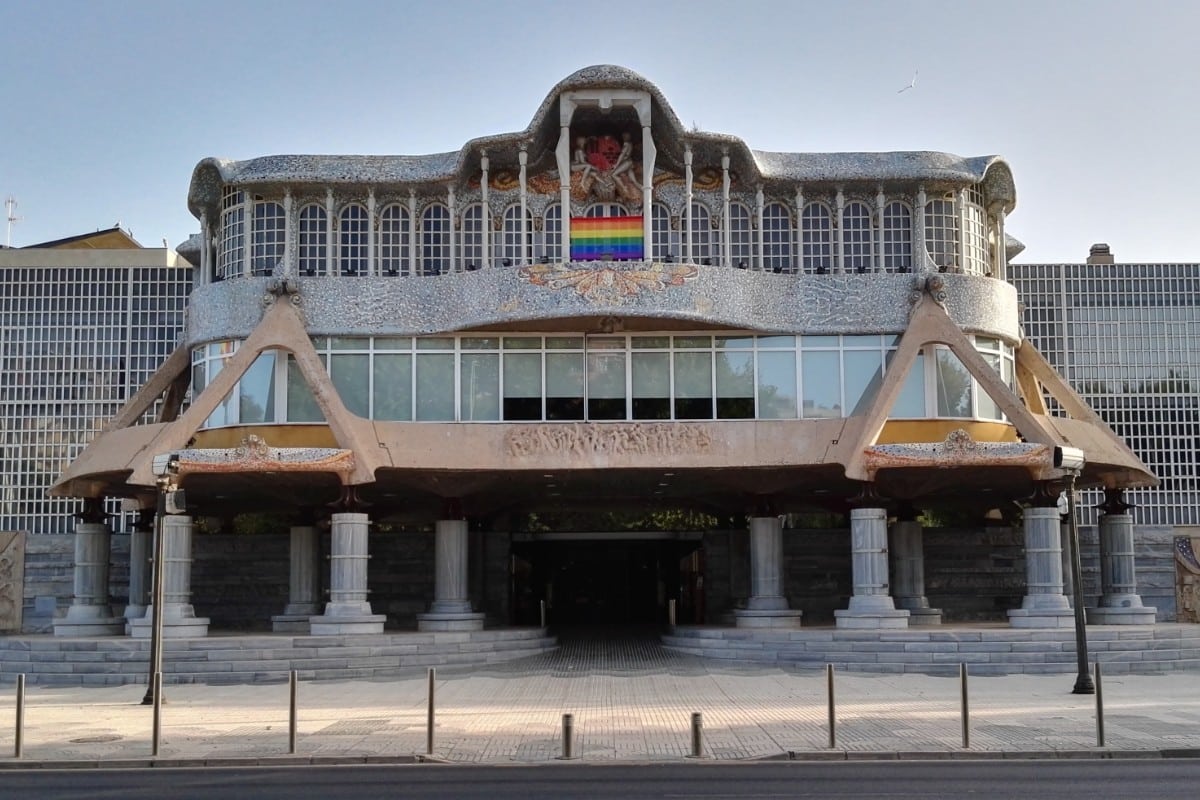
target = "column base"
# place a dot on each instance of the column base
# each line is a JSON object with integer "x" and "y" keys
{"x": 133, "y": 612}
{"x": 1041, "y": 618}
{"x": 919, "y": 617}
{"x": 450, "y": 621}
{"x": 291, "y": 623}
{"x": 89, "y": 621}
{"x": 785, "y": 618}
{"x": 1139, "y": 615}
{"x": 346, "y": 618}
{"x": 873, "y": 619}
{"x": 181, "y": 624}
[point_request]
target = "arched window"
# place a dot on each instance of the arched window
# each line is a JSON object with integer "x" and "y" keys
{"x": 511, "y": 250}
{"x": 552, "y": 233}
{"x": 897, "y": 237}
{"x": 660, "y": 232}
{"x": 777, "y": 238}
{"x": 268, "y": 235}
{"x": 394, "y": 244}
{"x": 606, "y": 210}
{"x": 231, "y": 253}
{"x": 741, "y": 243}
{"x": 856, "y": 238}
{"x": 975, "y": 257}
{"x": 817, "y": 226}
{"x": 472, "y": 237}
{"x": 941, "y": 232}
{"x": 435, "y": 240}
{"x": 353, "y": 226}
{"x": 313, "y": 240}
{"x": 701, "y": 234}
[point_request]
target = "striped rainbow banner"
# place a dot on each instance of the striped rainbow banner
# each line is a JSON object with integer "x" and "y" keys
{"x": 607, "y": 238}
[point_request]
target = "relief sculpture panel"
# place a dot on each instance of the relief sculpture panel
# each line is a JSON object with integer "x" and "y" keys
{"x": 12, "y": 579}
{"x": 589, "y": 439}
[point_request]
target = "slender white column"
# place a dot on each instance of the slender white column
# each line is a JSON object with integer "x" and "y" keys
{"x": 372, "y": 221}
{"x": 839, "y": 240}
{"x": 908, "y": 556}
{"x": 487, "y": 208}
{"x": 330, "y": 233}
{"x": 921, "y": 260}
{"x": 348, "y": 610}
{"x": 687, "y": 208}
{"x": 179, "y": 618}
{"x": 141, "y": 544}
{"x": 1120, "y": 603}
{"x": 287, "y": 265}
{"x": 562, "y": 155}
{"x": 871, "y": 606}
{"x": 767, "y": 606}
{"x": 522, "y": 250}
{"x": 960, "y": 208}
{"x": 1044, "y": 604}
{"x": 247, "y": 233}
{"x": 450, "y": 203}
{"x": 726, "y": 243}
{"x": 90, "y": 613}
{"x": 759, "y": 250}
{"x": 451, "y": 607}
{"x": 206, "y": 268}
{"x": 303, "y": 597}
{"x": 414, "y": 242}
{"x": 877, "y": 238}
{"x": 649, "y": 157}
{"x": 1001, "y": 269}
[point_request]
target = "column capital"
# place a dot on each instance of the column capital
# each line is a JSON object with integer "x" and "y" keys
{"x": 868, "y": 497}
{"x": 92, "y": 511}
{"x": 1114, "y": 502}
{"x": 349, "y": 502}
{"x": 1045, "y": 494}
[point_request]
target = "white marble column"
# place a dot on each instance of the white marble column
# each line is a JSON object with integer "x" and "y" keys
{"x": 908, "y": 556}
{"x": 1044, "y": 604}
{"x": 303, "y": 598}
{"x": 767, "y": 606}
{"x": 90, "y": 613}
{"x": 451, "y": 607}
{"x": 348, "y": 610}
{"x": 1120, "y": 603}
{"x": 871, "y": 606}
{"x": 178, "y": 617}
{"x": 141, "y": 545}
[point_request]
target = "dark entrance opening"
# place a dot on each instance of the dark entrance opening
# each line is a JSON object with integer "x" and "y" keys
{"x": 603, "y": 581}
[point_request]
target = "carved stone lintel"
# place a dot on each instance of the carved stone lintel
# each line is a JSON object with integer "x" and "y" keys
{"x": 588, "y": 439}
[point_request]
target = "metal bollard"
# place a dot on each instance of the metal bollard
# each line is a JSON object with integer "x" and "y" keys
{"x": 671, "y": 612}
{"x": 429, "y": 714}
{"x": 832, "y": 707}
{"x": 568, "y": 736}
{"x": 543, "y": 610}
{"x": 292, "y": 712}
{"x": 156, "y": 736}
{"x": 697, "y": 735}
{"x": 1099, "y": 709}
{"x": 19, "y": 740}
{"x": 966, "y": 711}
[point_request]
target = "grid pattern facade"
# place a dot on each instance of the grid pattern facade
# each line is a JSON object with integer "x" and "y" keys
{"x": 60, "y": 385}
{"x": 1127, "y": 338}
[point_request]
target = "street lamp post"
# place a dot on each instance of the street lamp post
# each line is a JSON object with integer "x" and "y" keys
{"x": 1083, "y": 680}
{"x": 163, "y": 484}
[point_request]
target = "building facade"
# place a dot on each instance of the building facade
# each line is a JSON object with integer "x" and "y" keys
{"x": 605, "y": 311}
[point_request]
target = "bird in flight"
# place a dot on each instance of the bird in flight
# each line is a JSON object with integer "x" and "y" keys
{"x": 911, "y": 84}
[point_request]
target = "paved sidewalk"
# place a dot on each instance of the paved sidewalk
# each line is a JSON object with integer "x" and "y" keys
{"x": 635, "y": 711}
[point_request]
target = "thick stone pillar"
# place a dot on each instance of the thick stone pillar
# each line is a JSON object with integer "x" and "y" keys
{"x": 1120, "y": 603}
{"x": 908, "y": 557}
{"x": 451, "y": 607}
{"x": 141, "y": 546}
{"x": 90, "y": 613}
{"x": 303, "y": 598}
{"x": 871, "y": 606}
{"x": 767, "y": 607}
{"x": 1044, "y": 604}
{"x": 348, "y": 610}
{"x": 178, "y": 616}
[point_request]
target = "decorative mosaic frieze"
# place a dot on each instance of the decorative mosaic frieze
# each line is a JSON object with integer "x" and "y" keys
{"x": 590, "y": 439}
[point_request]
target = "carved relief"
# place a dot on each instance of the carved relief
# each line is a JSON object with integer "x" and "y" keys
{"x": 1187, "y": 579}
{"x": 12, "y": 579}
{"x": 588, "y": 439}
{"x": 608, "y": 284}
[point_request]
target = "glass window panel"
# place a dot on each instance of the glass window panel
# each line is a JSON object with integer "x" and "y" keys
{"x": 435, "y": 343}
{"x": 393, "y": 343}
{"x": 606, "y": 375}
{"x": 479, "y": 385}
{"x": 777, "y": 341}
{"x": 651, "y": 374}
{"x": 693, "y": 375}
{"x": 393, "y": 386}
{"x": 735, "y": 342}
{"x": 693, "y": 341}
{"x": 523, "y": 386}
{"x": 226, "y": 411}
{"x": 646, "y": 342}
{"x": 777, "y": 385}
{"x": 857, "y": 342}
{"x": 953, "y": 385}
{"x": 814, "y": 342}
{"x": 480, "y": 343}
{"x": 522, "y": 342}
{"x": 350, "y": 375}
{"x": 822, "y": 385}
{"x": 348, "y": 343}
{"x": 985, "y": 406}
{"x": 257, "y": 395}
{"x": 735, "y": 385}
{"x": 435, "y": 387}
{"x": 610, "y": 343}
{"x": 861, "y": 368}
{"x": 302, "y": 406}
{"x": 564, "y": 386}
{"x": 564, "y": 342}
{"x": 910, "y": 402}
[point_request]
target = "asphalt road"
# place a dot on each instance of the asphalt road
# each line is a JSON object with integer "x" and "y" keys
{"x": 920, "y": 780}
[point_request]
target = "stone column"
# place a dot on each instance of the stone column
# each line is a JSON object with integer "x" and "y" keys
{"x": 1044, "y": 604}
{"x": 908, "y": 556}
{"x": 871, "y": 606}
{"x": 141, "y": 545}
{"x": 348, "y": 610}
{"x": 451, "y": 607}
{"x": 90, "y": 613}
{"x": 179, "y": 618}
{"x": 303, "y": 598}
{"x": 1120, "y": 603}
{"x": 767, "y": 607}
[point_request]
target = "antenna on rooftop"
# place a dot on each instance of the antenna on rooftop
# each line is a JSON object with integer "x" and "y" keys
{"x": 10, "y": 206}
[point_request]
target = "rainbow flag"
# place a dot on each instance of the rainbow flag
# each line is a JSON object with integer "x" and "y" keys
{"x": 606, "y": 238}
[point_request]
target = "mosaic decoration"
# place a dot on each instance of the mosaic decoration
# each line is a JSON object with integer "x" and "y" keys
{"x": 958, "y": 450}
{"x": 255, "y": 453}
{"x": 606, "y": 238}
{"x": 608, "y": 284}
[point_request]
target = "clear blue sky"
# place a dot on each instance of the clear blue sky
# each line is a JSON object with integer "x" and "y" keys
{"x": 106, "y": 106}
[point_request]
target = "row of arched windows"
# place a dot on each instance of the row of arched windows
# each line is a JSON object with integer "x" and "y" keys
{"x": 864, "y": 239}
